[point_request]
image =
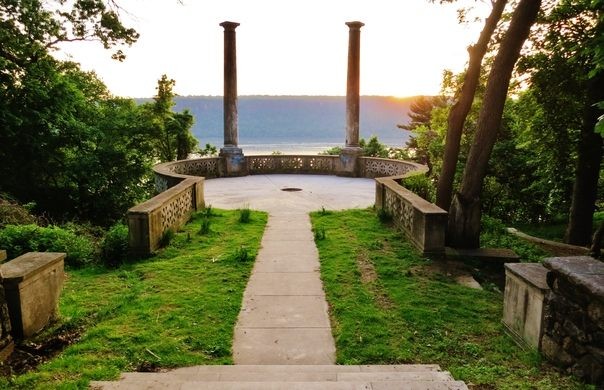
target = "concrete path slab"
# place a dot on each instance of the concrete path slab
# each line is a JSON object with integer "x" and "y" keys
{"x": 284, "y": 318}
{"x": 284, "y": 346}
{"x": 283, "y": 311}
{"x": 286, "y": 283}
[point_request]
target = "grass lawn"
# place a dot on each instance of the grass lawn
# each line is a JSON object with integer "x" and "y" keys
{"x": 389, "y": 305}
{"x": 177, "y": 308}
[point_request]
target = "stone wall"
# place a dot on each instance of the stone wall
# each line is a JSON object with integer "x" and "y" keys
{"x": 171, "y": 209}
{"x": 573, "y": 327}
{"x": 422, "y": 222}
{"x": 311, "y": 165}
{"x": 180, "y": 188}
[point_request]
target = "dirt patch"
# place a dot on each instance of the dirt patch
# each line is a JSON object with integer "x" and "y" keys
{"x": 447, "y": 268}
{"x": 30, "y": 354}
{"x": 454, "y": 270}
{"x": 366, "y": 269}
{"x": 368, "y": 277}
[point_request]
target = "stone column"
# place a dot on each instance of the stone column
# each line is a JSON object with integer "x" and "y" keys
{"x": 233, "y": 159}
{"x": 352, "y": 151}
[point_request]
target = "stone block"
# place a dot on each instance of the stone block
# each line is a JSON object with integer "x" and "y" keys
{"x": 233, "y": 162}
{"x": 32, "y": 284}
{"x": 582, "y": 271}
{"x": 348, "y": 164}
{"x": 2, "y": 255}
{"x": 525, "y": 290}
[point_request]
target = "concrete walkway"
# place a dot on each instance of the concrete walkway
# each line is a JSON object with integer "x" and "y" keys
{"x": 284, "y": 317}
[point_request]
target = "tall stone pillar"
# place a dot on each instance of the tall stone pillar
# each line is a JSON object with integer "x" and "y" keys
{"x": 352, "y": 151}
{"x": 232, "y": 155}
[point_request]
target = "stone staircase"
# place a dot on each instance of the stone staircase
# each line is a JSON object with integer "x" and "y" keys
{"x": 290, "y": 377}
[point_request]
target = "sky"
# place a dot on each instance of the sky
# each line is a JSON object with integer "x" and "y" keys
{"x": 285, "y": 47}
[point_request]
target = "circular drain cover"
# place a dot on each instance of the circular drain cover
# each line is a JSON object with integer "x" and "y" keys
{"x": 291, "y": 189}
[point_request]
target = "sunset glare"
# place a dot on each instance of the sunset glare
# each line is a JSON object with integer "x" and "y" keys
{"x": 285, "y": 47}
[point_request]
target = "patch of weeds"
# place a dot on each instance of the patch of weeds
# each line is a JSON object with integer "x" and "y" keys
{"x": 384, "y": 215}
{"x": 166, "y": 238}
{"x": 319, "y": 233}
{"x": 208, "y": 212}
{"x": 245, "y": 214}
{"x": 323, "y": 211}
{"x": 242, "y": 254}
{"x": 205, "y": 226}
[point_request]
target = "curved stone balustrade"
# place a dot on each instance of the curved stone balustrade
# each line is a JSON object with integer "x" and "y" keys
{"x": 180, "y": 188}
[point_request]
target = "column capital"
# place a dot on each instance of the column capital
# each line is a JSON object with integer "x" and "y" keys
{"x": 229, "y": 26}
{"x": 356, "y": 25}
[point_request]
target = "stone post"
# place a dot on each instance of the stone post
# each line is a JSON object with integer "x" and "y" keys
{"x": 233, "y": 161}
{"x": 352, "y": 151}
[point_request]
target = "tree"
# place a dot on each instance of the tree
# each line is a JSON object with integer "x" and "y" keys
{"x": 464, "y": 215}
{"x": 585, "y": 189}
{"x": 171, "y": 131}
{"x": 420, "y": 111}
{"x": 461, "y": 108}
{"x": 70, "y": 147}
{"x": 28, "y": 29}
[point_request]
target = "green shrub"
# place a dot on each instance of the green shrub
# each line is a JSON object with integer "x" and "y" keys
{"x": 20, "y": 239}
{"x": 422, "y": 186}
{"x": 114, "y": 247}
{"x": 494, "y": 235}
{"x": 244, "y": 214}
{"x": 12, "y": 213}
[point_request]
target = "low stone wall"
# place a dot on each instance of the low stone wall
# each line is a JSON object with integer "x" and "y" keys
{"x": 372, "y": 167}
{"x": 180, "y": 188}
{"x": 310, "y": 165}
{"x": 423, "y": 223}
{"x": 148, "y": 221}
{"x": 573, "y": 327}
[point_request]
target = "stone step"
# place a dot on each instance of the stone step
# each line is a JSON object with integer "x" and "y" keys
{"x": 277, "y": 376}
{"x": 291, "y": 377}
{"x": 191, "y": 385}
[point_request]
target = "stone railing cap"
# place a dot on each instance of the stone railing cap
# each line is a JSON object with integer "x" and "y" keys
{"x": 29, "y": 264}
{"x": 581, "y": 270}
{"x": 533, "y": 273}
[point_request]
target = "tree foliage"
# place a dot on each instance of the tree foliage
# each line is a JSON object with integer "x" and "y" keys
{"x": 171, "y": 131}
{"x": 66, "y": 144}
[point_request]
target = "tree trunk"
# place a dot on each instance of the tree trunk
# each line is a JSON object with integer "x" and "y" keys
{"x": 596, "y": 244}
{"x": 585, "y": 189}
{"x": 464, "y": 216}
{"x": 461, "y": 108}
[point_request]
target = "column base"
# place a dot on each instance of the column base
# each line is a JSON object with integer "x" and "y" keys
{"x": 349, "y": 157}
{"x": 233, "y": 161}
